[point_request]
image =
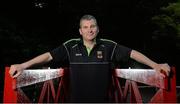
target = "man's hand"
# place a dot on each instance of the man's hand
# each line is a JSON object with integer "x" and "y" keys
{"x": 16, "y": 70}
{"x": 163, "y": 68}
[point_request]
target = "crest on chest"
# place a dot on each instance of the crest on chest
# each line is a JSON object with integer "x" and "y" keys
{"x": 99, "y": 54}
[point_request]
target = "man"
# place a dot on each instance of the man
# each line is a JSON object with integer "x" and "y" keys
{"x": 90, "y": 61}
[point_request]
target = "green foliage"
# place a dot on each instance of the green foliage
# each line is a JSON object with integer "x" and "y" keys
{"x": 163, "y": 21}
{"x": 168, "y": 22}
{"x": 169, "y": 18}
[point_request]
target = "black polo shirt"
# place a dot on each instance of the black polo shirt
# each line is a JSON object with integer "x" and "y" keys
{"x": 90, "y": 73}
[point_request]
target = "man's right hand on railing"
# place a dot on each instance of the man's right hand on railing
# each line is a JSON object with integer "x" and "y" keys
{"x": 16, "y": 70}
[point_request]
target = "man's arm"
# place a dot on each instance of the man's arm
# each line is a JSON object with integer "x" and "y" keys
{"x": 16, "y": 69}
{"x": 145, "y": 60}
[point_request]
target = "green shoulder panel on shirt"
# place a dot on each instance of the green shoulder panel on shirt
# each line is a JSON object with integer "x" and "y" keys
{"x": 75, "y": 39}
{"x": 108, "y": 40}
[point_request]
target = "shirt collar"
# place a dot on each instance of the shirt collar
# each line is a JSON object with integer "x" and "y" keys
{"x": 98, "y": 41}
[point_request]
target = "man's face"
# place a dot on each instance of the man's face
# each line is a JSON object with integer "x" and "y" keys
{"x": 88, "y": 29}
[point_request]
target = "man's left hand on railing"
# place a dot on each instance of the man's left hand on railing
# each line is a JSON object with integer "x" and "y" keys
{"x": 163, "y": 69}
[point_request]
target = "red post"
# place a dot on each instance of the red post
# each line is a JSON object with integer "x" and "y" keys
{"x": 170, "y": 94}
{"x": 10, "y": 94}
{"x": 167, "y": 95}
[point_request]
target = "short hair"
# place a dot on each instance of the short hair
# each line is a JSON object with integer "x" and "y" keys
{"x": 87, "y": 17}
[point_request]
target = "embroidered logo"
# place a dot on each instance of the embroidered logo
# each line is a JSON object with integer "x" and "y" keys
{"x": 99, "y": 54}
{"x": 78, "y": 54}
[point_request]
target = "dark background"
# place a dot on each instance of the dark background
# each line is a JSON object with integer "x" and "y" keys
{"x": 31, "y": 27}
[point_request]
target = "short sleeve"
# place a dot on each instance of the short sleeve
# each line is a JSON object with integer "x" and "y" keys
{"x": 121, "y": 53}
{"x": 59, "y": 54}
